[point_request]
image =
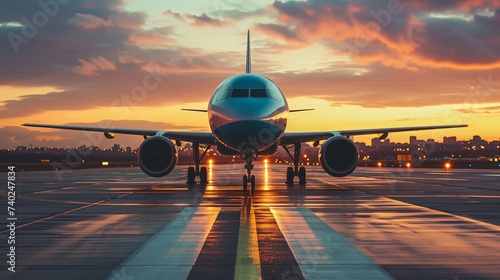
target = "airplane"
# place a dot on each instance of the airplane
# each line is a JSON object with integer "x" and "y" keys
{"x": 247, "y": 115}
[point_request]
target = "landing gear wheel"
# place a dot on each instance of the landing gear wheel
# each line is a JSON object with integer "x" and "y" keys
{"x": 289, "y": 175}
{"x": 302, "y": 175}
{"x": 252, "y": 183}
{"x": 245, "y": 182}
{"x": 190, "y": 176}
{"x": 203, "y": 176}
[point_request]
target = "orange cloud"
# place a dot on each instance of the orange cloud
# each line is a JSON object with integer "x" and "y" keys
{"x": 94, "y": 66}
{"x": 400, "y": 36}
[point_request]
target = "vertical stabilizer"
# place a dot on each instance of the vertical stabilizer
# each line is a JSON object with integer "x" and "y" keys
{"x": 249, "y": 63}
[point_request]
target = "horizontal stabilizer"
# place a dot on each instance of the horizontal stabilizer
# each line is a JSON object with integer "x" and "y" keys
{"x": 300, "y": 110}
{"x": 195, "y": 110}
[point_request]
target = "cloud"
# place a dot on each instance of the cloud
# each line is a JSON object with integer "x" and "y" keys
{"x": 87, "y": 21}
{"x": 95, "y": 47}
{"x": 195, "y": 20}
{"x": 94, "y": 66}
{"x": 281, "y": 31}
{"x": 204, "y": 20}
{"x": 479, "y": 110}
{"x": 123, "y": 20}
{"x": 383, "y": 86}
{"x": 170, "y": 13}
{"x": 152, "y": 36}
{"x": 401, "y": 35}
{"x": 236, "y": 14}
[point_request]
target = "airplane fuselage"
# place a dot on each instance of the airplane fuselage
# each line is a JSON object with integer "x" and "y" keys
{"x": 247, "y": 110}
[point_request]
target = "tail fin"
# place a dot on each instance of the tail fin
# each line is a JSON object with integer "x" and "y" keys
{"x": 249, "y": 63}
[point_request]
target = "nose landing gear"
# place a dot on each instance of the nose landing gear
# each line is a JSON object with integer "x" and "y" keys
{"x": 249, "y": 154}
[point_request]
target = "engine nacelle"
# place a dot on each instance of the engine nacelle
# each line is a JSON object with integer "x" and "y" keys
{"x": 339, "y": 156}
{"x": 157, "y": 156}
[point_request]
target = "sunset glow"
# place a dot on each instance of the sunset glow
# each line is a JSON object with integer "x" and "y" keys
{"x": 360, "y": 64}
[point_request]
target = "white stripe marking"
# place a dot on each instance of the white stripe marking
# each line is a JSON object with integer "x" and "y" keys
{"x": 321, "y": 252}
{"x": 171, "y": 253}
{"x": 247, "y": 256}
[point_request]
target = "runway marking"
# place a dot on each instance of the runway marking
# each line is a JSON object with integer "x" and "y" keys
{"x": 321, "y": 252}
{"x": 490, "y": 175}
{"x": 62, "y": 213}
{"x": 171, "y": 252}
{"x": 247, "y": 256}
{"x": 276, "y": 258}
{"x": 218, "y": 254}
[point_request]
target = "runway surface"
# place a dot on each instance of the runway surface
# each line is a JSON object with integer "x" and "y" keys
{"x": 378, "y": 223}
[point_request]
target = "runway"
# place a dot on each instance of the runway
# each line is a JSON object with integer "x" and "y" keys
{"x": 378, "y": 223}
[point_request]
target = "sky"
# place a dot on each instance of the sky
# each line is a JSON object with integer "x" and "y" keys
{"x": 136, "y": 63}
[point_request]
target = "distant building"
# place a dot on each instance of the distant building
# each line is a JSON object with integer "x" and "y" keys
{"x": 450, "y": 140}
{"x": 116, "y": 148}
{"x": 413, "y": 140}
{"x": 377, "y": 142}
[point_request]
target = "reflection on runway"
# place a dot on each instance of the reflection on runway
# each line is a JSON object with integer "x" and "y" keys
{"x": 265, "y": 187}
{"x": 379, "y": 223}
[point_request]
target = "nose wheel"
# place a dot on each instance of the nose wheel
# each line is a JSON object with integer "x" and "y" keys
{"x": 249, "y": 154}
{"x": 246, "y": 181}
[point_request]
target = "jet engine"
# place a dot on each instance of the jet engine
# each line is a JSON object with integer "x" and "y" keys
{"x": 157, "y": 156}
{"x": 338, "y": 156}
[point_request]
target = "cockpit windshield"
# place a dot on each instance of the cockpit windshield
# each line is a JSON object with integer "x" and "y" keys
{"x": 256, "y": 93}
{"x": 237, "y": 92}
{"x": 243, "y": 92}
{"x": 259, "y": 93}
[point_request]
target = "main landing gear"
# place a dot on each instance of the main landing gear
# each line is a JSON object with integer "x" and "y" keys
{"x": 193, "y": 172}
{"x": 249, "y": 154}
{"x": 295, "y": 171}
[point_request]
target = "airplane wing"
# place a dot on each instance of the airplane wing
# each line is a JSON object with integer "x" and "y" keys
{"x": 298, "y": 137}
{"x": 206, "y": 138}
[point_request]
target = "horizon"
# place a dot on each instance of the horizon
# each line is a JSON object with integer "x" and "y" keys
{"x": 306, "y": 144}
{"x": 137, "y": 63}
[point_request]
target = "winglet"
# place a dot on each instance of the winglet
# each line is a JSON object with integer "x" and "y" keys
{"x": 249, "y": 65}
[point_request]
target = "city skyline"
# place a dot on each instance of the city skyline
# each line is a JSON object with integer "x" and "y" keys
{"x": 472, "y": 153}
{"x": 374, "y": 141}
{"x": 359, "y": 64}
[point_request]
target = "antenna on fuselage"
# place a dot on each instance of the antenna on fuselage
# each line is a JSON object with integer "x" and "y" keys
{"x": 249, "y": 63}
